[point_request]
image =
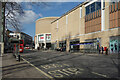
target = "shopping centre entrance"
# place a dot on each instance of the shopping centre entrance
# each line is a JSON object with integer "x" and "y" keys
{"x": 74, "y": 45}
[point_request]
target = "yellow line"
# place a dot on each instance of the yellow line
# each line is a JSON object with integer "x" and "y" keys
{"x": 100, "y": 74}
{"x": 38, "y": 69}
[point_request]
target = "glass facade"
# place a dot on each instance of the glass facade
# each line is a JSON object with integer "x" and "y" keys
{"x": 115, "y": 44}
{"x": 93, "y": 7}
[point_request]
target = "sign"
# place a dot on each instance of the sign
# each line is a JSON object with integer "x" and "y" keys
{"x": 41, "y": 38}
{"x": 48, "y": 37}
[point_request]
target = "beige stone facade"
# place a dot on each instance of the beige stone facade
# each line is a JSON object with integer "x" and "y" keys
{"x": 43, "y": 28}
{"x": 79, "y": 30}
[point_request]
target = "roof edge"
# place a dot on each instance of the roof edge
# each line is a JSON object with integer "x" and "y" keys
{"x": 74, "y": 8}
{"x": 45, "y": 18}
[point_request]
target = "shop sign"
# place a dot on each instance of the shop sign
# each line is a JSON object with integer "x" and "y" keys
{"x": 48, "y": 37}
{"x": 41, "y": 37}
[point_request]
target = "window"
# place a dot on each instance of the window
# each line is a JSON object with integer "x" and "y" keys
{"x": 87, "y": 10}
{"x": 104, "y": 4}
{"x": 98, "y": 5}
{"x": 92, "y": 7}
{"x": 21, "y": 42}
{"x": 17, "y": 37}
{"x": 111, "y": 8}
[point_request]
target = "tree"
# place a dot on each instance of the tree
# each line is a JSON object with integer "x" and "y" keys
{"x": 11, "y": 12}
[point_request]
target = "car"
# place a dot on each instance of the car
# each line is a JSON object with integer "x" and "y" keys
{"x": 27, "y": 47}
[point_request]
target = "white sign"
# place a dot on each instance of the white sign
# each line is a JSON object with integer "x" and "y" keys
{"x": 41, "y": 37}
{"x": 48, "y": 37}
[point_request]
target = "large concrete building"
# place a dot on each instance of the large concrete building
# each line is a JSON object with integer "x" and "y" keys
{"x": 43, "y": 32}
{"x": 88, "y": 26}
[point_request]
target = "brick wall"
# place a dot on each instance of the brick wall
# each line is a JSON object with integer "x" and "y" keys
{"x": 114, "y": 11}
{"x": 93, "y": 22}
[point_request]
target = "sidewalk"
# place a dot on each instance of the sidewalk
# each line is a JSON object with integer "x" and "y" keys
{"x": 113, "y": 55}
{"x": 14, "y": 69}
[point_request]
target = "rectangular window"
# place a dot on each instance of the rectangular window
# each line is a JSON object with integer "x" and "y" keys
{"x": 92, "y": 7}
{"x": 114, "y": 7}
{"x": 98, "y": 5}
{"x": 87, "y": 10}
{"x": 111, "y": 8}
{"x": 104, "y": 4}
{"x": 98, "y": 12}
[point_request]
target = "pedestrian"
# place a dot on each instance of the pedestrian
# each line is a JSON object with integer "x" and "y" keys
{"x": 102, "y": 49}
{"x": 99, "y": 50}
{"x": 106, "y": 51}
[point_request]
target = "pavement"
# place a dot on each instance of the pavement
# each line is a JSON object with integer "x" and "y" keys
{"x": 58, "y": 65}
{"x": 14, "y": 69}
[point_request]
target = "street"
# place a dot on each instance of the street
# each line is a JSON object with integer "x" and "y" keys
{"x": 57, "y": 65}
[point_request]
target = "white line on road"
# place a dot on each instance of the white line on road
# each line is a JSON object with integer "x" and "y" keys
{"x": 52, "y": 77}
{"x": 38, "y": 69}
{"x": 100, "y": 74}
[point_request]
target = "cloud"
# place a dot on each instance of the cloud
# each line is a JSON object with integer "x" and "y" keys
{"x": 28, "y": 6}
{"x": 29, "y": 16}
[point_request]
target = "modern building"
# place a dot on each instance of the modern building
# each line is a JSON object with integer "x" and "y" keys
{"x": 43, "y": 32}
{"x": 88, "y": 26}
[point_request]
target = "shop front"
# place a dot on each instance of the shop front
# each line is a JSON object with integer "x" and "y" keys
{"x": 114, "y": 44}
{"x": 62, "y": 45}
{"x": 92, "y": 45}
{"x": 74, "y": 45}
{"x": 41, "y": 41}
{"x": 48, "y": 41}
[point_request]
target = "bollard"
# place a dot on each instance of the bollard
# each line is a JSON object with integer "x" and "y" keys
{"x": 19, "y": 58}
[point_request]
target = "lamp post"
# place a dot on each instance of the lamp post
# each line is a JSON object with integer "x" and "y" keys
{"x": 2, "y": 26}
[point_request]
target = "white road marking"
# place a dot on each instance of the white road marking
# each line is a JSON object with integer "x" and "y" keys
{"x": 66, "y": 74}
{"x": 38, "y": 69}
{"x": 100, "y": 74}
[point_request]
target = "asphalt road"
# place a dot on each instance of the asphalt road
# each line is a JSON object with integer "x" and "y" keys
{"x": 59, "y": 65}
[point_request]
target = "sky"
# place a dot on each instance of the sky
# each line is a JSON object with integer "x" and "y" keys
{"x": 34, "y": 11}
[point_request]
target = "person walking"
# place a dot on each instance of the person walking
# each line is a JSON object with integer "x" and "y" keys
{"x": 99, "y": 50}
{"x": 106, "y": 51}
{"x": 102, "y": 49}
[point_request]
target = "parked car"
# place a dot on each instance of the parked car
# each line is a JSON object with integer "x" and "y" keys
{"x": 27, "y": 47}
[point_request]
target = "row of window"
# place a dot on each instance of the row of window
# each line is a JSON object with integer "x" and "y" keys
{"x": 93, "y": 7}
{"x": 93, "y": 15}
{"x": 114, "y": 7}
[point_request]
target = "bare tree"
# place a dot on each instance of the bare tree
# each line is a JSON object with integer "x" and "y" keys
{"x": 12, "y": 11}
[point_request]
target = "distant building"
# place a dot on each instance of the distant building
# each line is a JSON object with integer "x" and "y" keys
{"x": 43, "y": 32}
{"x": 21, "y": 35}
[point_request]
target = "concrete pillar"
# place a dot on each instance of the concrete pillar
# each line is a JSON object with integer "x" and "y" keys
{"x": 102, "y": 15}
{"x": 105, "y": 41}
{"x": 45, "y": 40}
{"x": 36, "y": 42}
{"x": 57, "y": 44}
{"x": 67, "y": 45}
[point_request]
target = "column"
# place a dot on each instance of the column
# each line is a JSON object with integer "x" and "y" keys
{"x": 102, "y": 15}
